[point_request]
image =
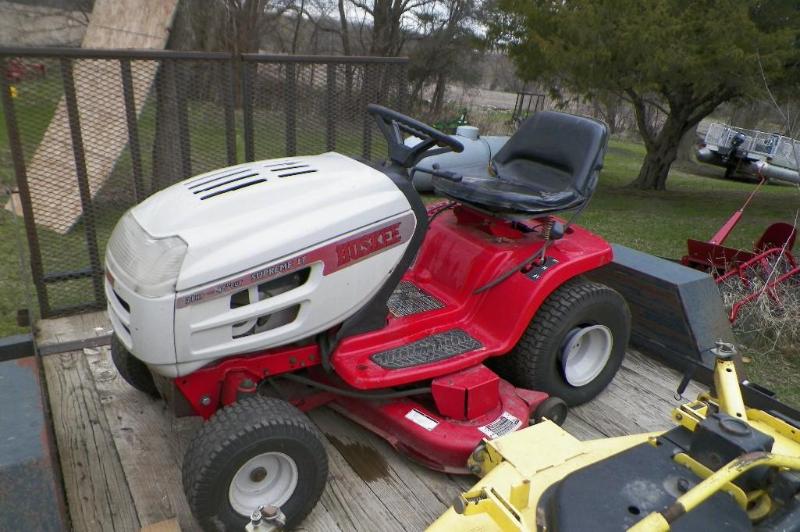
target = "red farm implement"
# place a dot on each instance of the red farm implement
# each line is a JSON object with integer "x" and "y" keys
{"x": 18, "y": 70}
{"x": 761, "y": 271}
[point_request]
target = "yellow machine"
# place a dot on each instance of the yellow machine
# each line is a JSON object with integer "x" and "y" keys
{"x": 724, "y": 467}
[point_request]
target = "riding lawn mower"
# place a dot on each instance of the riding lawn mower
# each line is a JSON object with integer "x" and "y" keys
{"x": 252, "y": 294}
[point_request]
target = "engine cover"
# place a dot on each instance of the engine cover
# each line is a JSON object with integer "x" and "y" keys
{"x": 277, "y": 251}
{"x": 301, "y": 202}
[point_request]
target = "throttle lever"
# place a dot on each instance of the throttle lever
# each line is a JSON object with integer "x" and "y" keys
{"x": 446, "y": 174}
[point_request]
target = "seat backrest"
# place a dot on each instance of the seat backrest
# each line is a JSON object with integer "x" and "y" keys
{"x": 553, "y": 150}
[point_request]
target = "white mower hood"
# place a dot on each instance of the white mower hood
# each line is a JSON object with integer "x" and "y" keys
{"x": 236, "y": 218}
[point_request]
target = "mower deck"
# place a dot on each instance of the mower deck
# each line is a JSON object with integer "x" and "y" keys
{"x": 121, "y": 452}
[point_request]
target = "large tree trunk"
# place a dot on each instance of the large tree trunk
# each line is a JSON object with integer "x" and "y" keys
{"x": 386, "y": 33}
{"x": 685, "y": 112}
{"x": 661, "y": 153}
{"x": 655, "y": 168}
{"x": 688, "y": 145}
{"x": 439, "y": 92}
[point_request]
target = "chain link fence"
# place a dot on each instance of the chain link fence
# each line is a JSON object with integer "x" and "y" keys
{"x": 92, "y": 132}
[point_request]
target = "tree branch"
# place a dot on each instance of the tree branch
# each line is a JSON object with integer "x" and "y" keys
{"x": 650, "y": 101}
{"x": 640, "y": 111}
{"x": 364, "y": 6}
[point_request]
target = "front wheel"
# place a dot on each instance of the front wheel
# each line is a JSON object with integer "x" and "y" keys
{"x": 258, "y": 452}
{"x": 574, "y": 345}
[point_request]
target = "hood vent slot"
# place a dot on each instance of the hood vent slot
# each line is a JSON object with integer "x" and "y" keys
{"x": 231, "y": 189}
{"x": 229, "y": 180}
{"x": 310, "y": 171}
{"x": 216, "y": 177}
{"x": 294, "y": 169}
{"x": 282, "y": 165}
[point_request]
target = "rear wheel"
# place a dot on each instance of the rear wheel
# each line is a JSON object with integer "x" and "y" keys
{"x": 131, "y": 369}
{"x": 574, "y": 345}
{"x": 553, "y": 409}
{"x": 260, "y": 451}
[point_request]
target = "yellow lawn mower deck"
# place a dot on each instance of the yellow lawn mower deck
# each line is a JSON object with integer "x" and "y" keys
{"x": 724, "y": 467}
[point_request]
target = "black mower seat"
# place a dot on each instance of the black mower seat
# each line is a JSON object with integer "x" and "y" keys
{"x": 550, "y": 164}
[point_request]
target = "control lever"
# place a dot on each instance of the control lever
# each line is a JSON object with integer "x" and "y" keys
{"x": 434, "y": 170}
{"x": 452, "y": 176}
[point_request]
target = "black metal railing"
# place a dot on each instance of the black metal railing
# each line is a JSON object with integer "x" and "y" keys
{"x": 92, "y": 132}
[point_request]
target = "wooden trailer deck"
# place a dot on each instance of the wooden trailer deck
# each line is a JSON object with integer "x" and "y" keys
{"x": 121, "y": 452}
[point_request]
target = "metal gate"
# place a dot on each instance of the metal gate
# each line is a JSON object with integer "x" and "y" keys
{"x": 92, "y": 132}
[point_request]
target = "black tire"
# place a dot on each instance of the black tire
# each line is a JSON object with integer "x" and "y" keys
{"x": 131, "y": 369}
{"x": 552, "y": 408}
{"x": 535, "y": 362}
{"x": 236, "y": 434}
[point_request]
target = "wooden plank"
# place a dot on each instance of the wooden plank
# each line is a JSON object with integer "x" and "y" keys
{"x": 370, "y": 486}
{"x": 578, "y": 427}
{"x": 409, "y": 490}
{"x": 352, "y": 505}
{"x": 169, "y": 525}
{"x": 639, "y": 399}
{"x": 70, "y": 328}
{"x": 94, "y": 480}
{"x": 142, "y": 432}
{"x": 151, "y": 445}
{"x": 320, "y": 520}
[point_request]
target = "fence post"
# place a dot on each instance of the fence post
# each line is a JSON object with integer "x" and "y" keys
{"x": 402, "y": 88}
{"x": 71, "y": 100}
{"x": 18, "y": 158}
{"x": 247, "y": 110}
{"x": 181, "y": 112}
{"x": 290, "y": 103}
{"x": 133, "y": 129}
{"x": 230, "y": 103}
{"x": 330, "y": 108}
{"x": 366, "y": 95}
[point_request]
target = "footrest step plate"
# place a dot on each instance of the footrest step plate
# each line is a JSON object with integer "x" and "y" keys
{"x": 427, "y": 350}
{"x": 408, "y": 299}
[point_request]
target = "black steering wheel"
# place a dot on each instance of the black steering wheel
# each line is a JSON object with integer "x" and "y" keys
{"x": 393, "y": 124}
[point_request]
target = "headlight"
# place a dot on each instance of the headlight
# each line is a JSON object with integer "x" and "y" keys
{"x": 151, "y": 264}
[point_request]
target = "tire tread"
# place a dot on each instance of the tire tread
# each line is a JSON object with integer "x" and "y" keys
{"x": 524, "y": 363}
{"x": 244, "y": 421}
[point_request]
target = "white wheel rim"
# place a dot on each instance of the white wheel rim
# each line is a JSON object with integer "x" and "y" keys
{"x": 267, "y": 478}
{"x": 585, "y": 353}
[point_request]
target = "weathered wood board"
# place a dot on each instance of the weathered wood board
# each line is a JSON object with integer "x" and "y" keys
{"x": 97, "y": 492}
{"x": 121, "y": 452}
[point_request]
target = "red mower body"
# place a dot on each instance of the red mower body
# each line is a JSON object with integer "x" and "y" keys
{"x": 463, "y": 250}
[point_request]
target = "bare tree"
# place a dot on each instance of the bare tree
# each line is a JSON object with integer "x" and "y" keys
{"x": 345, "y": 33}
{"x": 237, "y": 26}
{"x": 301, "y": 9}
{"x": 444, "y": 49}
{"x": 387, "y": 36}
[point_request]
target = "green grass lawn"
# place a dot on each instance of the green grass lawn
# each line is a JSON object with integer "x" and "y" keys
{"x": 654, "y": 222}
